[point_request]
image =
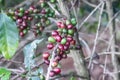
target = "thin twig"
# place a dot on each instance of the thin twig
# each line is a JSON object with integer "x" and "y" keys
{"x": 106, "y": 57}
{"x": 107, "y": 26}
{"x": 81, "y": 24}
{"x": 95, "y": 41}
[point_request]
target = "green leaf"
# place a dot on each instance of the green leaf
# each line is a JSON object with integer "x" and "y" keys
{"x": 8, "y": 36}
{"x": 29, "y": 53}
{"x": 4, "y": 74}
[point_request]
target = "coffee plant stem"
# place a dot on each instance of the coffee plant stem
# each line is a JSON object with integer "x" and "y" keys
{"x": 51, "y": 60}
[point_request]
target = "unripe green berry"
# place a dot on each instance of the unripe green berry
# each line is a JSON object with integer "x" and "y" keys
{"x": 63, "y": 41}
{"x": 51, "y": 39}
{"x": 21, "y": 10}
{"x": 47, "y": 22}
{"x": 70, "y": 31}
{"x": 64, "y": 30}
{"x": 42, "y": 77}
{"x": 67, "y": 22}
{"x": 43, "y": 4}
{"x": 73, "y": 21}
{"x": 52, "y": 1}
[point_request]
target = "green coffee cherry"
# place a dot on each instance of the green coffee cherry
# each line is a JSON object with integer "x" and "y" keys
{"x": 73, "y": 21}
{"x": 67, "y": 22}
{"x": 63, "y": 41}
{"x": 70, "y": 31}
{"x": 64, "y": 30}
{"x": 42, "y": 77}
{"x": 52, "y": 1}
{"x": 51, "y": 39}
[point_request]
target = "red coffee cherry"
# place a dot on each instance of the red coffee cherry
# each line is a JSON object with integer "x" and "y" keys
{"x": 57, "y": 70}
{"x": 61, "y": 47}
{"x": 46, "y": 55}
{"x": 50, "y": 45}
{"x": 52, "y": 73}
{"x": 70, "y": 26}
{"x": 58, "y": 38}
{"x": 55, "y": 33}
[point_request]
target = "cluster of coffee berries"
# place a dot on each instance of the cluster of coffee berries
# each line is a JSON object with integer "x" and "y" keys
{"x": 63, "y": 37}
{"x": 23, "y": 18}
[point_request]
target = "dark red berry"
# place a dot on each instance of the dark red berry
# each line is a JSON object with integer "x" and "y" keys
{"x": 25, "y": 17}
{"x": 22, "y": 34}
{"x": 50, "y": 46}
{"x": 61, "y": 47}
{"x": 43, "y": 11}
{"x": 26, "y": 12}
{"x": 19, "y": 21}
{"x": 55, "y": 33}
{"x": 67, "y": 43}
{"x": 58, "y": 38}
{"x": 66, "y": 47}
{"x": 69, "y": 38}
{"x": 73, "y": 42}
{"x": 58, "y": 58}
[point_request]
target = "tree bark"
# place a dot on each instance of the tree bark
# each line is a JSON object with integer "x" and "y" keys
{"x": 79, "y": 61}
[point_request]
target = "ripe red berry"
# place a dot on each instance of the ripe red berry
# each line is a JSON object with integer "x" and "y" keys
{"x": 69, "y": 38}
{"x": 25, "y": 17}
{"x": 67, "y": 43}
{"x": 19, "y": 21}
{"x": 62, "y": 25}
{"x": 26, "y": 12}
{"x": 22, "y": 34}
{"x": 61, "y": 47}
{"x": 73, "y": 42}
{"x": 66, "y": 47}
{"x": 70, "y": 26}
{"x": 24, "y": 24}
{"x": 46, "y": 55}
{"x": 50, "y": 46}
{"x": 52, "y": 73}
{"x": 55, "y": 33}
{"x": 58, "y": 38}
{"x": 59, "y": 24}
{"x": 57, "y": 70}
